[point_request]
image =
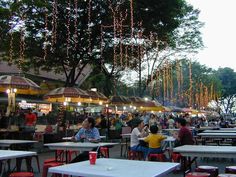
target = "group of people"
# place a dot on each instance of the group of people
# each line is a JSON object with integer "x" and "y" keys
{"x": 26, "y": 119}
{"x": 154, "y": 139}
{"x": 150, "y": 135}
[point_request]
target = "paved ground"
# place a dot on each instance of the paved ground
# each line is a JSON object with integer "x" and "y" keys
{"x": 44, "y": 153}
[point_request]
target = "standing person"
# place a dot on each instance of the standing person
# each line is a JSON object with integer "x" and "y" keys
{"x": 30, "y": 122}
{"x": 88, "y": 133}
{"x": 30, "y": 118}
{"x": 139, "y": 131}
{"x": 184, "y": 137}
{"x": 154, "y": 140}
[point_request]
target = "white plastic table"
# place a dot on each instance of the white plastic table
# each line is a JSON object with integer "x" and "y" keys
{"x": 108, "y": 167}
{"x": 194, "y": 151}
{"x": 220, "y": 131}
{"x": 218, "y": 135}
{"x": 6, "y": 143}
{"x": 70, "y": 138}
{"x": 86, "y": 146}
{"x": 206, "y": 151}
{"x": 10, "y": 154}
{"x": 78, "y": 146}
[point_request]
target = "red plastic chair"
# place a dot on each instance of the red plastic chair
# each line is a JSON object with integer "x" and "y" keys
{"x": 46, "y": 166}
{"x": 135, "y": 155}
{"x": 104, "y": 151}
{"x": 175, "y": 157}
{"x": 208, "y": 169}
{"x": 21, "y": 174}
{"x": 159, "y": 157}
{"x": 197, "y": 174}
{"x": 70, "y": 153}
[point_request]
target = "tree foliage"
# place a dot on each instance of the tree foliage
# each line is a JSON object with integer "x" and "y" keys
{"x": 227, "y": 76}
{"x": 65, "y": 36}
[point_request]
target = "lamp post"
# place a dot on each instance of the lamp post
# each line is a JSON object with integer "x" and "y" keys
{"x": 11, "y": 94}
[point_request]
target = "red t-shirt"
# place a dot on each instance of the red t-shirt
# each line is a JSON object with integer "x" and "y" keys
{"x": 30, "y": 119}
{"x": 185, "y": 136}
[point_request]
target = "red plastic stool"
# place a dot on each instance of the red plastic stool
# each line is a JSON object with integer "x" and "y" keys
{"x": 46, "y": 166}
{"x": 104, "y": 151}
{"x": 159, "y": 157}
{"x": 197, "y": 174}
{"x": 230, "y": 169}
{"x": 208, "y": 169}
{"x": 135, "y": 155}
{"x": 175, "y": 157}
{"x": 227, "y": 175}
{"x": 22, "y": 174}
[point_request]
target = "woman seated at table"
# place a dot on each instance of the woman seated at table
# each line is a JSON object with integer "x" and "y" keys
{"x": 154, "y": 140}
{"x": 88, "y": 133}
{"x": 139, "y": 131}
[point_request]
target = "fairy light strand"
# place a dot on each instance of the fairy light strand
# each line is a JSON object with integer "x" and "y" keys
{"x": 45, "y": 33}
{"x": 54, "y": 25}
{"x": 190, "y": 84}
{"x": 89, "y": 27}
{"x": 68, "y": 28}
{"x": 11, "y": 46}
{"x": 75, "y": 25}
{"x": 22, "y": 47}
{"x": 132, "y": 26}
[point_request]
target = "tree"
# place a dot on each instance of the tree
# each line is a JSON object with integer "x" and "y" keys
{"x": 66, "y": 36}
{"x": 227, "y": 96}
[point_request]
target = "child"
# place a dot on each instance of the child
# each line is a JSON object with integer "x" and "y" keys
{"x": 154, "y": 140}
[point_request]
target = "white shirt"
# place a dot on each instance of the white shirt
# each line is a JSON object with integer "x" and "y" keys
{"x": 134, "y": 137}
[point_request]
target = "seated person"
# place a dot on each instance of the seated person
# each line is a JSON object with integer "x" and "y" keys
{"x": 184, "y": 136}
{"x": 154, "y": 140}
{"x": 139, "y": 131}
{"x": 88, "y": 133}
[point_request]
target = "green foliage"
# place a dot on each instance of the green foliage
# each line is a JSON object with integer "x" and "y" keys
{"x": 71, "y": 42}
{"x": 227, "y": 77}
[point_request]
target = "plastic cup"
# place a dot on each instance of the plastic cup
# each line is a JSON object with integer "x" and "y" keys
{"x": 92, "y": 157}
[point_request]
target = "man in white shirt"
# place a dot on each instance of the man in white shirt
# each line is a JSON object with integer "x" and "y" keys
{"x": 138, "y": 132}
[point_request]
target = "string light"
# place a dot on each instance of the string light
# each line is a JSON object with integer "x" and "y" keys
{"x": 68, "y": 28}
{"x": 75, "y": 24}
{"x": 11, "y": 46}
{"x": 89, "y": 27}
{"x": 132, "y": 26}
{"x": 54, "y": 25}
{"x": 190, "y": 84}
{"x": 22, "y": 46}
{"x": 45, "y": 33}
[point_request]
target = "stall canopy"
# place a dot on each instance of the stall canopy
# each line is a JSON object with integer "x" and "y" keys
{"x": 23, "y": 85}
{"x": 120, "y": 100}
{"x": 97, "y": 97}
{"x": 67, "y": 94}
{"x": 75, "y": 95}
